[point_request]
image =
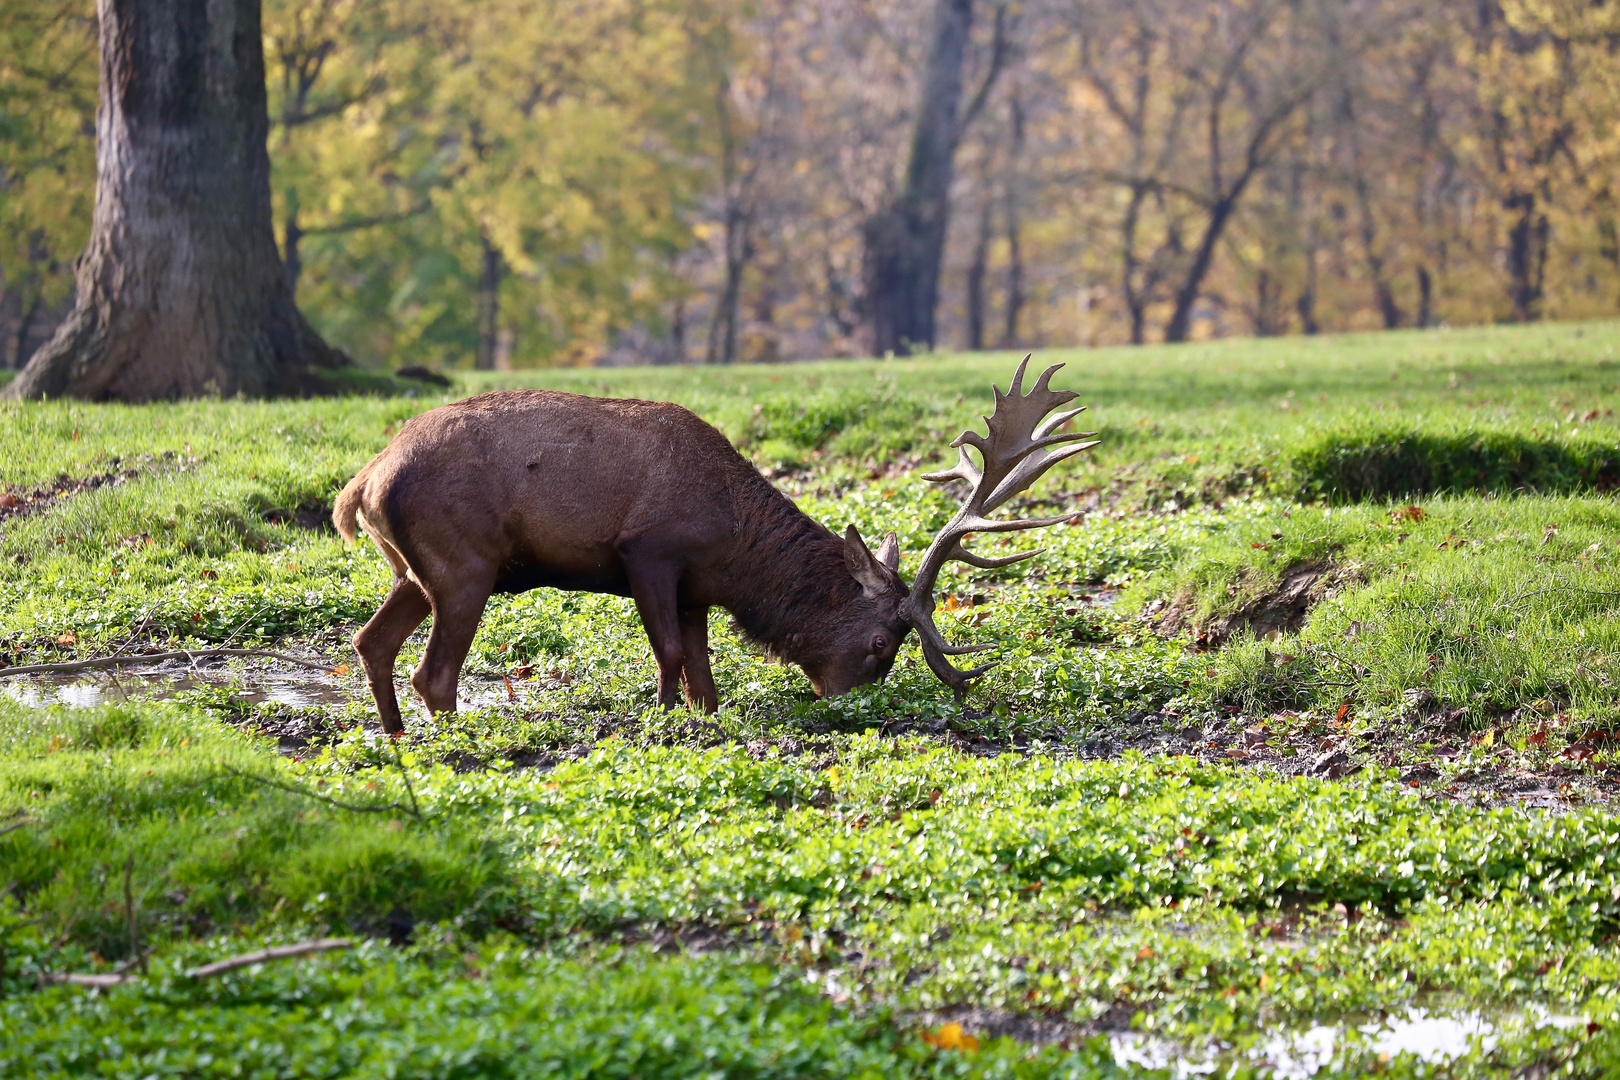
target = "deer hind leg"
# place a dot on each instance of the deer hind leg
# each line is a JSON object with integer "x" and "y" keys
{"x": 456, "y": 611}
{"x": 696, "y": 677}
{"x": 378, "y": 644}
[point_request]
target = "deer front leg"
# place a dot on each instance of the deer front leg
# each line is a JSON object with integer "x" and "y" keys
{"x": 653, "y": 588}
{"x": 695, "y": 674}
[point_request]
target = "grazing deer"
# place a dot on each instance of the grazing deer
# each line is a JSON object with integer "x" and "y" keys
{"x": 511, "y": 491}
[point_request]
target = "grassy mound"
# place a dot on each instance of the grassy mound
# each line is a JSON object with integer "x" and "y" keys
{"x": 1382, "y": 462}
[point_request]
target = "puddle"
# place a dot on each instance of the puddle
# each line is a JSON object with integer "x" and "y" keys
{"x": 297, "y": 689}
{"x": 1431, "y": 1037}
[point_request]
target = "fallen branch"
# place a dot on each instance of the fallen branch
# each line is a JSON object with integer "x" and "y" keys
{"x": 125, "y": 659}
{"x": 218, "y": 967}
{"x": 294, "y": 789}
{"x": 74, "y": 978}
{"x": 275, "y": 952}
{"x": 15, "y": 825}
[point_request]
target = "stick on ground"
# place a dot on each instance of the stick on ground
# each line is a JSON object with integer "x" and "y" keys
{"x": 75, "y": 978}
{"x": 275, "y": 952}
{"x": 218, "y": 967}
{"x": 127, "y": 659}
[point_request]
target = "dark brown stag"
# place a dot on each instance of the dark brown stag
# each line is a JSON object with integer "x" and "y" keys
{"x": 510, "y": 491}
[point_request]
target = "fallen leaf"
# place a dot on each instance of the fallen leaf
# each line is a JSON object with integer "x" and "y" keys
{"x": 67, "y": 639}
{"x": 1145, "y": 953}
{"x": 1343, "y": 714}
{"x": 951, "y": 1037}
{"x": 341, "y": 669}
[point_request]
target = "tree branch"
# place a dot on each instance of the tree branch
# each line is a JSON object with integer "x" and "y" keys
{"x": 998, "y": 57}
{"x": 356, "y": 224}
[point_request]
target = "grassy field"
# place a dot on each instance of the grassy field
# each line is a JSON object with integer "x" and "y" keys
{"x": 1301, "y": 737}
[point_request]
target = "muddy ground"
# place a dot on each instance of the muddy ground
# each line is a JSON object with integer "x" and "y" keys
{"x": 303, "y": 709}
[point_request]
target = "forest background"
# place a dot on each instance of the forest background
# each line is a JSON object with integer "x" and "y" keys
{"x": 513, "y": 183}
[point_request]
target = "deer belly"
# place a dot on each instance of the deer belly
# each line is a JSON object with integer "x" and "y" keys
{"x": 522, "y": 574}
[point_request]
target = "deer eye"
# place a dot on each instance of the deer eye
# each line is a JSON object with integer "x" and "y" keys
{"x": 879, "y": 643}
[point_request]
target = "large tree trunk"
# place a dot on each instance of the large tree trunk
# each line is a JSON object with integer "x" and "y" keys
{"x": 905, "y": 241}
{"x": 180, "y": 291}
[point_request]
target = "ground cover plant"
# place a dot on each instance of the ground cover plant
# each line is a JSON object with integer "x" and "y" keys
{"x": 1301, "y": 727}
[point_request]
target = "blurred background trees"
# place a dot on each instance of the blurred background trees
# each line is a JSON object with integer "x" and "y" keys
{"x": 522, "y": 182}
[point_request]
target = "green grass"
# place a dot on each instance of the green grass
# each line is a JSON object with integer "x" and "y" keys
{"x": 896, "y": 876}
{"x": 865, "y": 874}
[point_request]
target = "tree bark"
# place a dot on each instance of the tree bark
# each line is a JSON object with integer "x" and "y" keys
{"x": 1306, "y": 303}
{"x": 1527, "y": 256}
{"x": 489, "y": 305}
{"x": 1015, "y": 254}
{"x": 904, "y": 242}
{"x": 180, "y": 290}
{"x": 294, "y": 262}
{"x": 977, "y": 268}
{"x": 1180, "y": 323}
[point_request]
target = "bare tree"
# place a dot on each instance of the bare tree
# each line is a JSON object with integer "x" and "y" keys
{"x": 1204, "y": 100}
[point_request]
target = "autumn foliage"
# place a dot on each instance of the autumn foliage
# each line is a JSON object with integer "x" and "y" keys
{"x": 522, "y": 182}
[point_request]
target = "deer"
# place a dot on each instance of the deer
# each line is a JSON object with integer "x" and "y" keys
{"x": 523, "y": 489}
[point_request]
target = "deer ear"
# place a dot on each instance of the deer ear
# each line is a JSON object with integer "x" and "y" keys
{"x": 863, "y": 565}
{"x": 888, "y": 552}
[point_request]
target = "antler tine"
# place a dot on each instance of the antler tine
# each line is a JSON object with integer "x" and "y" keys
{"x": 984, "y": 562}
{"x": 1016, "y": 452}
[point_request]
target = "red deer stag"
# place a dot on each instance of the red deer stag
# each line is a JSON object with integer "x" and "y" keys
{"x": 510, "y": 491}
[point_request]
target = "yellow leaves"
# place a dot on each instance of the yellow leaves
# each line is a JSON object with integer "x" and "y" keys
{"x": 951, "y": 1037}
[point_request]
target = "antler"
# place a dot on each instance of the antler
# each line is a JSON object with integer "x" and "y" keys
{"x": 1014, "y": 456}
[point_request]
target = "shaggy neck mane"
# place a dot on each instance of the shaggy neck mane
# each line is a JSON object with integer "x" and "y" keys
{"x": 788, "y": 572}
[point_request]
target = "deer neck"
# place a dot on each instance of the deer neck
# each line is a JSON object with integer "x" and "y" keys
{"x": 786, "y": 576}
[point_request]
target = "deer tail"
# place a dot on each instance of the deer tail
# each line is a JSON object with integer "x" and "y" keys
{"x": 346, "y": 510}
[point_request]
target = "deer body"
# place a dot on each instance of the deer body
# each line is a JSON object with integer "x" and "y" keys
{"x": 516, "y": 490}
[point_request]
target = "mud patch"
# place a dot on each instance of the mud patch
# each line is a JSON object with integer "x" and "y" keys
{"x": 312, "y": 517}
{"x": 1282, "y": 609}
{"x": 18, "y": 502}
{"x": 1033, "y": 1029}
